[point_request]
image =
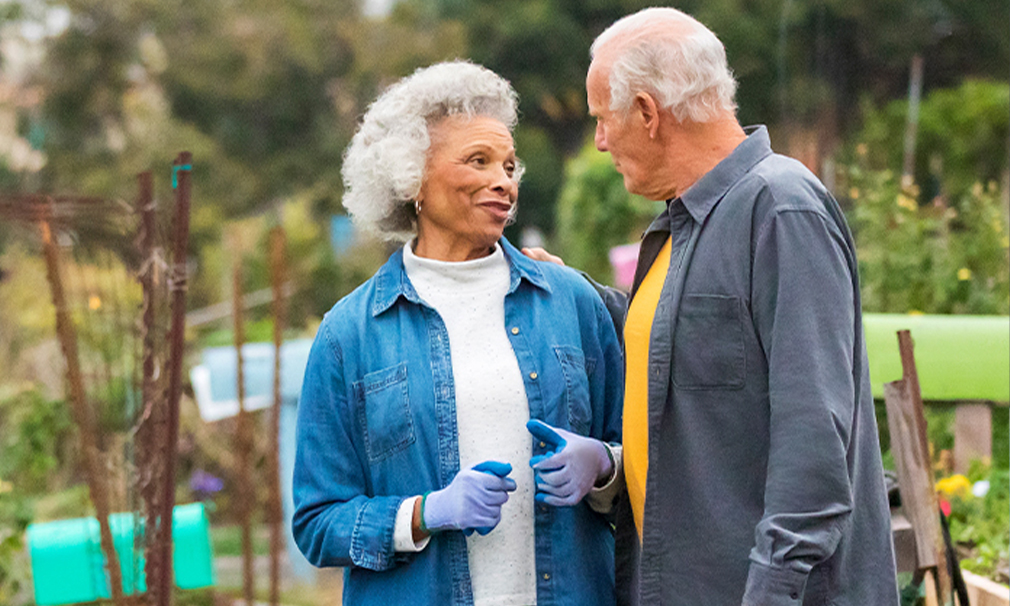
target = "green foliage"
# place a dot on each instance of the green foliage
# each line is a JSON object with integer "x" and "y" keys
{"x": 930, "y": 258}
{"x": 962, "y": 138}
{"x": 257, "y": 331}
{"x": 1001, "y": 437}
{"x": 981, "y": 526}
{"x": 34, "y": 432}
{"x": 226, "y": 540}
{"x": 596, "y": 213}
{"x": 31, "y": 429}
{"x": 797, "y": 59}
{"x": 15, "y": 578}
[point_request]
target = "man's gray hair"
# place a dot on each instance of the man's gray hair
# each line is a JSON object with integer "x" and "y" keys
{"x": 384, "y": 166}
{"x": 674, "y": 58}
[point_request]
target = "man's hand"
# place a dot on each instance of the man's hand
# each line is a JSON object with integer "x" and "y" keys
{"x": 538, "y": 254}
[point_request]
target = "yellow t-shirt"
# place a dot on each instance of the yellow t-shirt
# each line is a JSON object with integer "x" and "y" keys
{"x": 637, "y": 331}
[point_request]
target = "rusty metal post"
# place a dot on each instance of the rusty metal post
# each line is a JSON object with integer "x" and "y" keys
{"x": 82, "y": 413}
{"x": 177, "y": 287}
{"x": 278, "y": 273}
{"x": 149, "y": 446}
{"x": 243, "y": 443}
{"x": 910, "y": 446}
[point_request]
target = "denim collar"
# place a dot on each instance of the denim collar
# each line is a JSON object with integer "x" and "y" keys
{"x": 391, "y": 281}
{"x": 701, "y": 198}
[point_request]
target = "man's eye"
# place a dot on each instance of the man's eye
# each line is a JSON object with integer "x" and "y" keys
{"x": 510, "y": 169}
{"x": 478, "y": 160}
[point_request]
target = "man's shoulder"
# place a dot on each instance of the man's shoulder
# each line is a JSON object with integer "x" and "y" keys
{"x": 566, "y": 281}
{"x": 779, "y": 184}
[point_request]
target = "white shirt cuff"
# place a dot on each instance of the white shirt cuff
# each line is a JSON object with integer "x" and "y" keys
{"x": 403, "y": 533}
{"x": 601, "y": 498}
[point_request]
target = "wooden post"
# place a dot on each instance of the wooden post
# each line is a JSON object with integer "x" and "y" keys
{"x": 972, "y": 434}
{"x": 910, "y": 447}
{"x": 177, "y": 287}
{"x": 912, "y": 120}
{"x": 82, "y": 414}
{"x": 278, "y": 272}
{"x": 243, "y": 443}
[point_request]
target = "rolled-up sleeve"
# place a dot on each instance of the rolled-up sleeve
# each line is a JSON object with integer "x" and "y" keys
{"x": 803, "y": 308}
{"x": 335, "y": 523}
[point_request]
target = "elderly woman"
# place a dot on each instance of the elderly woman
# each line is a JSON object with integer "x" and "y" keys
{"x": 464, "y": 387}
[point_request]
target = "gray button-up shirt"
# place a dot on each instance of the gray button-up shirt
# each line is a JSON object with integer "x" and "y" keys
{"x": 765, "y": 484}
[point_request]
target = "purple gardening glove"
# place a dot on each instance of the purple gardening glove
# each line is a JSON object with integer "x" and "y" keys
{"x": 472, "y": 500}
{"x": 569, "y": 471}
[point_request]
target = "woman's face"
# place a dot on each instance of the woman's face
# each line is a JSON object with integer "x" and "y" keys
{"x": 468, "y": 189}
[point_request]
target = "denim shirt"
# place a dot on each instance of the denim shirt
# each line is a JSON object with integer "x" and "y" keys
{"x": 377, "y": 424}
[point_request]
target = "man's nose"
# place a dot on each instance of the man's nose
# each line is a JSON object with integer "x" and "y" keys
{"x": 600, "y": 139}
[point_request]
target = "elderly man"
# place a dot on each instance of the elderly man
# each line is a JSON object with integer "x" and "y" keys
{"x": 750, "y": 446}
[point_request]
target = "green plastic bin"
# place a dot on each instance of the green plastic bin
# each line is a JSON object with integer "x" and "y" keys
{"x": 68, "y": 566}
{"x": 957, "y": 357}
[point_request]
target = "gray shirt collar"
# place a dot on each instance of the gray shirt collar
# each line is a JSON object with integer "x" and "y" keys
{"x": 701, "y": 198}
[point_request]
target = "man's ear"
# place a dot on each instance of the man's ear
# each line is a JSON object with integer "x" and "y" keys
{"x": 648, "y": 109}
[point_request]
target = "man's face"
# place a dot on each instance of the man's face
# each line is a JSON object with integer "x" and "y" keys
{"x": 625, "y": 137}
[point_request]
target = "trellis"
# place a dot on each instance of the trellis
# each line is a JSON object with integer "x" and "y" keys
{"x": 118, "y": 350}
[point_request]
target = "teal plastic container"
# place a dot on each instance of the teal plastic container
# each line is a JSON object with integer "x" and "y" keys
{"x": 68, "y": 566}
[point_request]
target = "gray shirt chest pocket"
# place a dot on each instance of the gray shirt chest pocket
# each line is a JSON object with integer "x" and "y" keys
{"x": 384, "y": 411}
{"x": 708, "y": 343}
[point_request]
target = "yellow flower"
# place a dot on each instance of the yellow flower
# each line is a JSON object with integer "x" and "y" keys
{"x": 907, "y": 202}
{"x": 854, "y": 193}
{"x": 5, "y": 487}
{"x": 915, "y": 312}
{"x": 861, "y": 149}
{"x": 94, "y": 302}
{"x": 964, "y": 274}
{"x": 954, "y": 486}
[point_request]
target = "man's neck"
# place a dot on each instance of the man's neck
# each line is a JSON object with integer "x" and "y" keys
{"x": 694, "y": 149}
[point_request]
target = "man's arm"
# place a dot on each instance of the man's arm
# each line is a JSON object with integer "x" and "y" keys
{"x": 803, "y": 309}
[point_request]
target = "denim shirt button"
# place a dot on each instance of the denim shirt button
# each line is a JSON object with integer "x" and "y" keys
{"x": 543, "y": 445}
{"x": 547, "y": 577}
{"x": 515, "y": 330}
{"x": 533, "y": 375}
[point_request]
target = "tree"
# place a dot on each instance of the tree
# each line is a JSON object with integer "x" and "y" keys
{"x": 596, "y": 213}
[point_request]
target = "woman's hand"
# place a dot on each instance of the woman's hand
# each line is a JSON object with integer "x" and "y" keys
{"x": 576, "y": 464}
{"x": 472, "y": 500}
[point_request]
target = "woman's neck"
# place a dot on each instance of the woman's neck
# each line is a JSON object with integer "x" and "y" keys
{"x": 450, "y": 251}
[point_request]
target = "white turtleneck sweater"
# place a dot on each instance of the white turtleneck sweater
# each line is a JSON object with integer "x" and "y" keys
{"x": 491, "y": 416}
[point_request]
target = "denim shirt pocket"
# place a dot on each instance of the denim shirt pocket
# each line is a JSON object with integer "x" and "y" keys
{"x": 576, "y": 369}
{"x": 384, "y": 411}
{"x": 708, "y": 343}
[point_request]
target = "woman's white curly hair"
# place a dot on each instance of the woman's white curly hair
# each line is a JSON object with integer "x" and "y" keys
{"x": 687, "y": 73}
{"x": 384, "y": 166}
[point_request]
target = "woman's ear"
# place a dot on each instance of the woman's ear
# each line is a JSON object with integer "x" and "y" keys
{"x": 648, "y": 109}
